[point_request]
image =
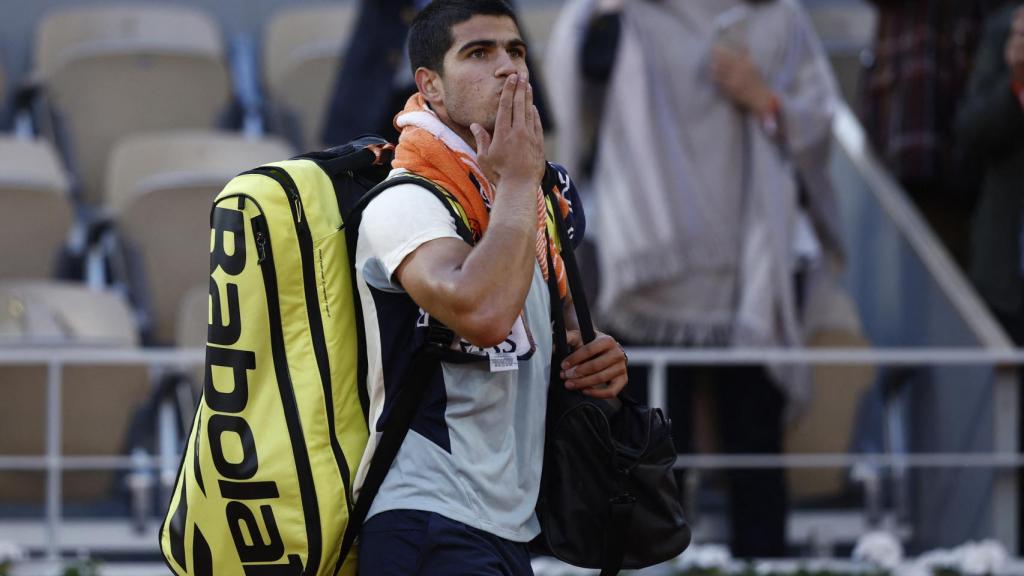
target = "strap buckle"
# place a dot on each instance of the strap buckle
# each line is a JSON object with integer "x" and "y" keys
{"x": 439, "y": 335}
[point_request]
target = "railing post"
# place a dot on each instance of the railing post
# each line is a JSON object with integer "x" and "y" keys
{"x": 53, "y": 462}
{"x": 1005, "y": 420}
{"x": 657, "y": 393}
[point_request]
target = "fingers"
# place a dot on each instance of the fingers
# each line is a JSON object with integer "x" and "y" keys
{"x": 538, "y": 129}
{"x": 519, "y": 104}
{"x": 595, "y": 364}
{"x": 529, "y": 108}
{"x": 597, "y": 380}
{"x": 533, "y": 124}
{"x": 610, "y": 391}
{"x": 483, "y": 139}
{"x": 598, "y": 368}
{"x": 503, "y": 119}
{"x": 601, "y": 344}
{"x": 574, "y": 339}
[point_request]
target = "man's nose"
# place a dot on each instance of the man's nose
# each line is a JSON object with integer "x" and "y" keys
{"x": 508, "y": 65}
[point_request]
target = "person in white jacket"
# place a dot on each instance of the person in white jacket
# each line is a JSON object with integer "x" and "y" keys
{"x": 708, "y": 168}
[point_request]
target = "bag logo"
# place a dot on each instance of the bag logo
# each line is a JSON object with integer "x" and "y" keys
{"x": 226, "y": 391}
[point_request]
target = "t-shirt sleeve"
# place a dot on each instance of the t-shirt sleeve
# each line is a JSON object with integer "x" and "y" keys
{"x": 394, "y": 225}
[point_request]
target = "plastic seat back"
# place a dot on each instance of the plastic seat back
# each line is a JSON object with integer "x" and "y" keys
{"x": 37, "y": 212}
{"x": 302, "y": 53}
{"x": 98, "y": 401}
{"x": 122, "y": 69}
{"x": 161, "y": 188}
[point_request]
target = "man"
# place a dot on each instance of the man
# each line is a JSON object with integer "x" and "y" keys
{"x": 460, "y": 496}
{"x": 374, "y": 78}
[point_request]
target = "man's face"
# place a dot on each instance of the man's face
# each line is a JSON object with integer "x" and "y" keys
{"x": 485, "y": 51}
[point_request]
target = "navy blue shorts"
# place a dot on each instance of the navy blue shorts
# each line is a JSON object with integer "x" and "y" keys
{"x": 408, "y": 542}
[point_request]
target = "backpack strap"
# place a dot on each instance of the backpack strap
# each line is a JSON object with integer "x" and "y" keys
{"x": 620, "y": 507}
{"x": 392, "y": 437}
{"x": 572, "y": 270}
{"x": 450, "y": 202}
{"x": 425, "y": 361}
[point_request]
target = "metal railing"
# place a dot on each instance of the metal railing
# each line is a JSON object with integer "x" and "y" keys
{"x": 54, "y": 463}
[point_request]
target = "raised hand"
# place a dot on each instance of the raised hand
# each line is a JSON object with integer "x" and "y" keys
{"x": 515, "y": 152}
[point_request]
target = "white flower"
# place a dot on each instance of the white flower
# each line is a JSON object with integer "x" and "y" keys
{"x": 544, "y": 566}
{"x": 704, "y": 557}
{"x": 879, "y": 548}
{"x": 986, "y": 557}
{"x": 766, "y": 567}
{"x": 940, "y": 558}
{"x": 832, "y": 565}
{"x": 914, "y": 569}
{"x": 11, "y": 552}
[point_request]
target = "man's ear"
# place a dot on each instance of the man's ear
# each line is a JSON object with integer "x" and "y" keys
{"x": 429, "y": 84}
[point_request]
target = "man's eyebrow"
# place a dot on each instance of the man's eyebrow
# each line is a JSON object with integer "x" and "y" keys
{"x": 514, "y": 43}
{"x": 478, "y": 44}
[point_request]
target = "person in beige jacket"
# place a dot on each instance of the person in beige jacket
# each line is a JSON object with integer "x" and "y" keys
{"x": 711, "y": 201}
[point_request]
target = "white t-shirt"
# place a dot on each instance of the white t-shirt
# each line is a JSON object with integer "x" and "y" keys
{"x": 475, "y": 451}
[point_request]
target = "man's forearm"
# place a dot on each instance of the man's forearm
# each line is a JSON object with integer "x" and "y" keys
{"x": 499, "y": 270}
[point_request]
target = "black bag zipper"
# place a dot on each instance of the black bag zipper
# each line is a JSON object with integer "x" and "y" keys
{"x": 316, "y": 325}
{"x": 307, "y": 489}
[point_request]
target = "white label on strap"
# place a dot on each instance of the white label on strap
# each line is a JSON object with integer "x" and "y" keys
{"x": 503, "y": 362}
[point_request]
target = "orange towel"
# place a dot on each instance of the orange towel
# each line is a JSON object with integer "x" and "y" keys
{"x": 430, "y": 149}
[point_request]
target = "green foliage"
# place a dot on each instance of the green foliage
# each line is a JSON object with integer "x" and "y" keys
{"x": 86, "y": 567}
{"x": 750, "y": 569}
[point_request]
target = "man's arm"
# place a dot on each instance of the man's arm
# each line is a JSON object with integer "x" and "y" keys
{"x": 479, "y": 291}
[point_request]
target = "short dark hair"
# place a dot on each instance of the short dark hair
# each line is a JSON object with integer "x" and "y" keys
{"x": 430, "y": 36}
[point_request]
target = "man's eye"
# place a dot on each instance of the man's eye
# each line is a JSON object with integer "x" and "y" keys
{"x": 478, "y": 53}
{"x": 516, "y": 53}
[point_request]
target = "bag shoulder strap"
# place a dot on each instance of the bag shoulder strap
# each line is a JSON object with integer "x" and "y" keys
{"x": 572, "y": 270}
{"x": 392, "y": 437}
{"x": 450, "y": 202}
{"x": 620, "y": 508}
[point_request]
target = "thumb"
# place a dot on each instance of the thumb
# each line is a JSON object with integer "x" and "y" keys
{"x": 483, "y": 139}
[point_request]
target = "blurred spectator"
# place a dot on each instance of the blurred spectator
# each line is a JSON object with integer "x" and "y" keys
{"x": 375, "y": 77}
{"x": 705, "y": 154}
{"x": 373, "y": 82}
{"x": 913, "y": 82}
{"x": 990, "y": 135}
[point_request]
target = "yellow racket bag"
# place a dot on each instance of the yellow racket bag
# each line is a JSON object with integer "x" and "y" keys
{"x": 265, "y": 483}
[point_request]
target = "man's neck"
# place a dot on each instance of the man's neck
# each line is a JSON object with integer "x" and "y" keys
{"x": 461, "y": 131}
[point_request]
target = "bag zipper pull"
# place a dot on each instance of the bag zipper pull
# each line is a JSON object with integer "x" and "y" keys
{"x": 261, "y": 247}
{"x": 298, "y": 207}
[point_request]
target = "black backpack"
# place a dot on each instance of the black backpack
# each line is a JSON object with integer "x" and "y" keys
{"x": 608, "y": 497}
